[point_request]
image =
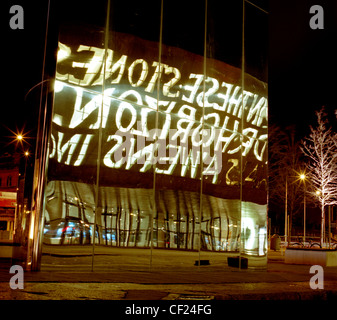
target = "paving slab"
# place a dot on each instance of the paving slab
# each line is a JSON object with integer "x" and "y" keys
{"x": 279, "y": 281}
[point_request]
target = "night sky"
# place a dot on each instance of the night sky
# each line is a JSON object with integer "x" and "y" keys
{"x": 302, "y": 64}
{"x": 22, "y": 52}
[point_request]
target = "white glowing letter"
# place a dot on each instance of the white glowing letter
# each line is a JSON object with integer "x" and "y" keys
{"x": 203, "y": 101}
{"x": 225, "y": 97}
{"x": 167, "y": 86}
{"x": 157, "y": 74}
{"x": 143, "y": 74}
{"x": 91, "y": 68}
{"x": 193, "y": 89}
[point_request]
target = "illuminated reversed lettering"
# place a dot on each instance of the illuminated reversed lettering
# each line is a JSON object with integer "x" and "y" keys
{"x": 128, "y": 111}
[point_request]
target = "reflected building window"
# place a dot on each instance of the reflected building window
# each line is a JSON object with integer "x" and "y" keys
{"x": 9, "y": 181}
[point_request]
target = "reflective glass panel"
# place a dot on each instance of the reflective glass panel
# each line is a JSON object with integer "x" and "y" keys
{"x": 157, "y": 153}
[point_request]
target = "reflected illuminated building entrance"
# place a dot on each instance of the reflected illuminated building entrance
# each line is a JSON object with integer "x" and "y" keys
{"x": 158, "y": 134}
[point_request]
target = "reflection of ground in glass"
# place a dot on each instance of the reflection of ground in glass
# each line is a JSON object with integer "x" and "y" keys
{"x": 108, "y": 259}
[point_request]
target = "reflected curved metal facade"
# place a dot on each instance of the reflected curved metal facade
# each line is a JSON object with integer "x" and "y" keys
{"x": 125, "y": 219}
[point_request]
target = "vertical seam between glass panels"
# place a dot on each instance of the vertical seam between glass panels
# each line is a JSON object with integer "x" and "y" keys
{"x": 155, "y": 145}
{"x": 106, "y": 38}
{"x": 202, "y": 132}
{"x": 241, "y": 127}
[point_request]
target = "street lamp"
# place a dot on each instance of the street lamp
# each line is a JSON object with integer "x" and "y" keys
{"x": 286, "y": 214}
{"x": 302, "y": 177}
{"x": 18, "y": 138}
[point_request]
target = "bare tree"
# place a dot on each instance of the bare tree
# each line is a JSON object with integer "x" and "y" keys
{"x": 285, "y": 165}
{"x": 321, "y": 150}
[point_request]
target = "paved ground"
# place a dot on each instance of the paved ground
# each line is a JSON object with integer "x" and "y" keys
{"x": 279, "y": 282}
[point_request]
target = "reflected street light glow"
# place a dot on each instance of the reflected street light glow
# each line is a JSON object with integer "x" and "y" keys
{"x": 19, "y": 137}
{"x": 302, "y": 177}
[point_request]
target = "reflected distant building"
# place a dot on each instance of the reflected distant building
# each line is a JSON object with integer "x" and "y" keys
{"x": 158, "y": 135}
{"x": 9, "y": 186}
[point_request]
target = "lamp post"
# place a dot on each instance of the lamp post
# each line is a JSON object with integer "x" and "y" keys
{"x": 302, "y": 177}
{"x": 286, "y": 215}
{"x": 18, "y": 231}
{"x": 318, "y": 193}
{"x": 26, "y": 155}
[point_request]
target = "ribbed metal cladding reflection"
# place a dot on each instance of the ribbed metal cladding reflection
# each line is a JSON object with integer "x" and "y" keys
{"x": 158, "y": 143}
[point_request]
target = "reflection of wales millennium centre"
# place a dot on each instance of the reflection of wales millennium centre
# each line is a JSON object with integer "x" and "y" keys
{"x": 158, "y": 134}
